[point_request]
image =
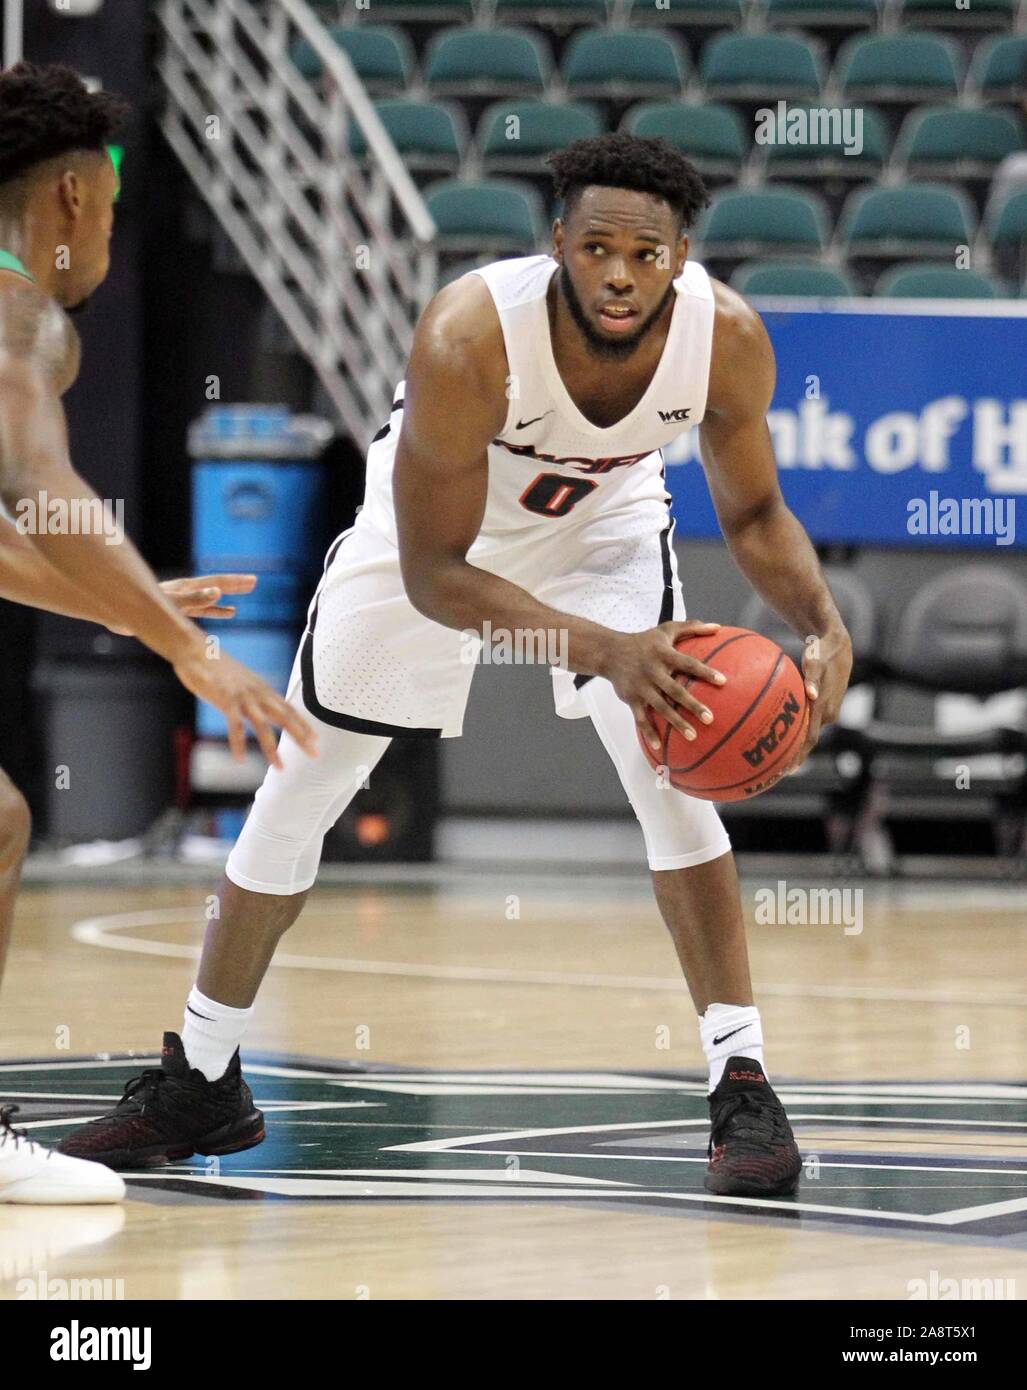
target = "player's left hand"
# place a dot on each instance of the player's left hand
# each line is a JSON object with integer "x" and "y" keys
{"x": 198, "y": 598}
{"x": 826, "y": 667}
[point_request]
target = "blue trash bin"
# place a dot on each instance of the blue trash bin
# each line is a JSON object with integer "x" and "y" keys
{"x": 256, "y": 494}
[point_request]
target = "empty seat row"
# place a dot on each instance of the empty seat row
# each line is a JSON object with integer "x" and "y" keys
{"x": 807, "y": 279}
{"x": 905, "y": 69}
{"x": 880, "y": 223}
{"x": 876, "y": 223}
{"x": 892, "y": 752}
{"x": 827, "y": 14}
{"x": 515, "y": 135}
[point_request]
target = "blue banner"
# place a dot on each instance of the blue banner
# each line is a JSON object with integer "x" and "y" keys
{"x": 897, "y": 426}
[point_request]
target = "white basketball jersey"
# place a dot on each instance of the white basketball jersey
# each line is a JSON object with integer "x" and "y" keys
{"x": 551, "y": 467}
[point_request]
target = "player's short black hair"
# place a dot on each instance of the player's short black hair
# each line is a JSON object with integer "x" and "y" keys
{"x": 618, "y": 160}
{"x": 49, "y": 111}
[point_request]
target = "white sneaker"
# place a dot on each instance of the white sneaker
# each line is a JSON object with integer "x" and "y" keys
{"x": 30, "y": 1174}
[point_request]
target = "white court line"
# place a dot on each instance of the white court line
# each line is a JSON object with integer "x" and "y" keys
{"x": 508, "y": 1188}
{"x": 953, "y": 1172}
{"x": 106, "y": 932}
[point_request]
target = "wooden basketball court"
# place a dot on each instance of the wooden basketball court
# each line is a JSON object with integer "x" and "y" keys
{"x": 492, "y": 1087}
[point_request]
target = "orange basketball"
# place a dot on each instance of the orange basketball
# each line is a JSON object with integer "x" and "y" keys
{"x": 760, "y": 715}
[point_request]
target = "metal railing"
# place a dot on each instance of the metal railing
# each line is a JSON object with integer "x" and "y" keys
{"x": 343, "y": 249}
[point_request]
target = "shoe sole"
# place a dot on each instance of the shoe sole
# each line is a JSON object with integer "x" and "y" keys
{"x": 743, "y": 1189}
{"x": 230, "y": 1139}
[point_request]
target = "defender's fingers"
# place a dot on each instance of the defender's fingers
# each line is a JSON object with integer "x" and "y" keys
{"x": 232, "y": 583}
{"x": 264, "y": 733}
{"x": 203, "y": 611}
{"x": 292, "y": 722}
{"x": 236, "y": 735}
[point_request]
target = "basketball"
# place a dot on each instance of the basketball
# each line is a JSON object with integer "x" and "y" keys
{"x": 759, "y": 719}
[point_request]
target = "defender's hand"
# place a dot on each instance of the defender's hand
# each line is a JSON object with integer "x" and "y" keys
{"x": 198, "y": 598}
{"x": 646, "y": 669}
{"x": 242, "y": 697}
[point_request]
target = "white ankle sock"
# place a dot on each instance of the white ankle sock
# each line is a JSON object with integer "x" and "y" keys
{"x": 730, "y": 1030}
{"x": 211, "y": 1033}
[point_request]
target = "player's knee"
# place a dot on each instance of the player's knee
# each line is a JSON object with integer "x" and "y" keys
{"x": 15, "y": 825}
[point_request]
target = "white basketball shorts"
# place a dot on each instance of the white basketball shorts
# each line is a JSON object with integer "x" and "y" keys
{"x": 371, "y": 668}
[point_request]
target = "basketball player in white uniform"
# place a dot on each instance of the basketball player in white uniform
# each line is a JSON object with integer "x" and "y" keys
{"x": 519, "y": 483}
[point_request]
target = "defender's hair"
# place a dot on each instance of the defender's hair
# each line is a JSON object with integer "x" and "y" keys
{"x": 629, "y": 161}
{"x": 46, "y": 112}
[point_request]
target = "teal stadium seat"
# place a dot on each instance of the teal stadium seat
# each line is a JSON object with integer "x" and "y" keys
{"x": 893, "y": 223}
{"x": 937, "y": 282}
{"x": 688, "y": 14}
{"x": 824, "y": 14}
{"x": 902, "y": 68}
{"x": 1005, "y": 222}
{"x": 796, "y": 279}
{"x": 383, "y": 57}
{"x": 759, "y": 67}
{"x": 824, "y": 155}
{"x": 713, "y": 135}
{"x": 943, "y": 14}
{"x": 947, "y": 142}
{"x": 1006, "y": 226}
{"x": 428, "y": 134}
{"x": 514, "y": 136}
{"x": 493, "y": 215}
{"x": 624, "y": 64}
{"x": 494, "y": 62}
{"x": 999, "y": 68}
{"x": 740, "y": 223}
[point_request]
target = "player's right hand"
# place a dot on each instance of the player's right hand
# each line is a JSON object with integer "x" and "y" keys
{"x": 645, "y": 669}
{"x": 243, "y": 697}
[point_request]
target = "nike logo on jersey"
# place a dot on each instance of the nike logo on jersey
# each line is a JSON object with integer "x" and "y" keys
{"x": 682, "y": 414}
{"x": 724, "y": 1036}
{"x": 523, "y": 424}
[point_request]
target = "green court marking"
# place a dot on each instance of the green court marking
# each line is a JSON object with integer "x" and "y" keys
{"x": 338, "y": 1131}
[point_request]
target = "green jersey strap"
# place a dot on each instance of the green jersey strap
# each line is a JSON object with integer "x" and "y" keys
{"x": 11, "y": 262}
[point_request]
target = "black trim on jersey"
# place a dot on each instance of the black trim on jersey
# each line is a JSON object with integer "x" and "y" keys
{"x": 396, "y": 405}
{"x": 322, "y": 712}
{"x": 666, "y": 603}
{"x": 346, "y": 721}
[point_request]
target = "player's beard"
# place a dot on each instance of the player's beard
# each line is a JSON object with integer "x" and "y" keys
{"x": 610, "y": 349}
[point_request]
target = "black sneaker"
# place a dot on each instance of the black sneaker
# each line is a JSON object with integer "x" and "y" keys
{"x": 171, "y": 1112}
{"x": 752, "y": 1149}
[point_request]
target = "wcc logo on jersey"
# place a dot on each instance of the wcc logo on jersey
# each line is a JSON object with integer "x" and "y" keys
{"x": 892, "y": 1155}
{"x": 669, "y": 416}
